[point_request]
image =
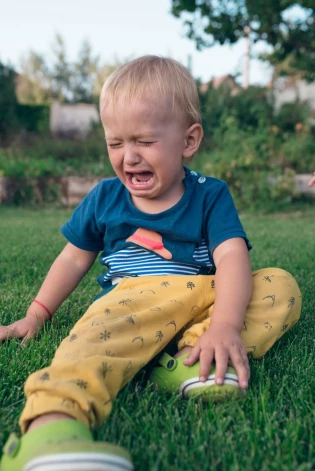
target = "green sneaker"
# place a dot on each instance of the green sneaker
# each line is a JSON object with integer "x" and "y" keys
{"x": 63, "y": 445}
{"x": 174, "y": 377}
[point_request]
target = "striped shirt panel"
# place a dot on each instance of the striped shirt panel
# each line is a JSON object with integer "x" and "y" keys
{"x": 137, "y": 261}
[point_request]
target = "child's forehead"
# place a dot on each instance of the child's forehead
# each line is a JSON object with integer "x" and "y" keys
{"x": 150, "y": 102}
{"x": 124, "y": 99}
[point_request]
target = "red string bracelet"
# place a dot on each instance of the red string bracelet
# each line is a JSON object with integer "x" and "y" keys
{"x": 43, "y": 306}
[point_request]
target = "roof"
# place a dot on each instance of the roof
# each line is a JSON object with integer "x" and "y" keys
{"x": 226, "y": 80}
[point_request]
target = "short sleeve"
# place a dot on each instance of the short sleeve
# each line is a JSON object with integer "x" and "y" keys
{"x": 221, "y": 218}
{"x": 83, "y": 229}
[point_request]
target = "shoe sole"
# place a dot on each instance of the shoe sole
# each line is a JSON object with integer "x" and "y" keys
{"x": 192, "y": 385}
{"x": 79, "y": 462}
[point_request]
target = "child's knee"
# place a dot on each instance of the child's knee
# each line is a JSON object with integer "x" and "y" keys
{"x": 278, "y": 281}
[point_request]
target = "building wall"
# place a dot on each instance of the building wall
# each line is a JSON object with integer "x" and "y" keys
{"x": 288, "y": 90}
{"x": 72, "y": 120}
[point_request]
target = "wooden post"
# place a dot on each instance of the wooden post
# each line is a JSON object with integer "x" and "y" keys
{"x": 247, "y": 31}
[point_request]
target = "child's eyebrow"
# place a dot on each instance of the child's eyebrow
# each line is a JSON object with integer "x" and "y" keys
{"x": 142, "y": 135}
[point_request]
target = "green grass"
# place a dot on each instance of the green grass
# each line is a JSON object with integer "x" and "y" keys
{"x": 272, "y": 430}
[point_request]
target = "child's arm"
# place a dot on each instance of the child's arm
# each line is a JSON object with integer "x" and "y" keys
{"x": 222, "y": 340}
{"x": 63, "y": 277}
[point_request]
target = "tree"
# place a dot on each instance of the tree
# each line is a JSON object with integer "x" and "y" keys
{"x": 33, "y": 85}
{"x": 78, "y": 81}
{"x": 290, "y": 33}
{"x": 61, "y": 71}
{"x": 102, "y": 73}
{"x": 84, "y": 75}
{"x": 8, "y": 118}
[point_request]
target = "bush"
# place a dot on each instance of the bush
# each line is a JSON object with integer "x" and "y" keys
{"x": 34, "y": 191}
{"x": 250, "y": 109}
{"x": 254, "y": 149}
{"x": 8, "y": 118}
{"x": 41, "y": 156}
{"x": 248, "y": 162}
{"x": 33, "y": 118}
{"x": 36, "y": 163}
{"x": 297, "y": 152}
{"x": 292, "y": 114}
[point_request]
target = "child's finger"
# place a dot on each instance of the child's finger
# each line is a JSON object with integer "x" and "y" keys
{"x": 221, "y": 363}
{"x": 192, "y": 357}
{"x": 6, "y": 332}
{"x": 26, "y": 340}
{"x": 241, "y": 365}
{"x": 206, "y": 358}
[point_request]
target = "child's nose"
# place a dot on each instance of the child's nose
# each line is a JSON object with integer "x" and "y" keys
{"x": 131, "y": 156}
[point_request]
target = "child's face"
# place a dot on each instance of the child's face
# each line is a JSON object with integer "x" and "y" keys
{"x": 146, "y": 145}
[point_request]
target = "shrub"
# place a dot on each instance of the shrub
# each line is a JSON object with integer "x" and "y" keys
{"x": 291, "y": 114}
{"x": 250, "y": 109}
{"x": 248, "y": 163}
{"x": 37, "y": 163}
{"x": 8, "y": 118}
{"x": 42, "y": 156}
{"x": 33, "y": 118}
{"x": 34, "y": 191}
{"x": 297, "y": 152}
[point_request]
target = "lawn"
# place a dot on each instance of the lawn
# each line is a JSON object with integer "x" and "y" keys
{"x": 272, "y": 430}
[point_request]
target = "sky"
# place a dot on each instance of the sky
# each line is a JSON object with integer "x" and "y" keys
{"x": 117, "y": 30}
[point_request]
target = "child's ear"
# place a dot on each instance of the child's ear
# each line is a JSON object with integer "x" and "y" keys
{"x": 193, "y": 136}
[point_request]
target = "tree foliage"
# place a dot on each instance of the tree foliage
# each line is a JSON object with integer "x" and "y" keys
{"x": 33, "y": 84}
{"x": 77, "y": 81}
{"x": 60, "y": 73}
{"x": 73, "y": 81}
{"x": 287, "y": 25}
{"x": 84, "y": 74}
{"x": 8, "y": 119}
{"x": 249, "y": 109}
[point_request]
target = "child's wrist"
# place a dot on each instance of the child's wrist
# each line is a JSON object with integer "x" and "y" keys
{"x": 41, "y": 317}
{"x": 225, "y": 324}
{"x": 39, "y": 310}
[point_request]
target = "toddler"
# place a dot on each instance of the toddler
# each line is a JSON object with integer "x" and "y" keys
{"x": 177, "y": 268}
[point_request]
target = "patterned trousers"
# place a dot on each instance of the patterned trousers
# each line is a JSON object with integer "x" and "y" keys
{"x": 125, "y": 329}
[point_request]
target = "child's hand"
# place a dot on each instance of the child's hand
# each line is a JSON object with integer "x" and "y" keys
{"x": 25, "y": 328}
{"x": 222, "y": 343}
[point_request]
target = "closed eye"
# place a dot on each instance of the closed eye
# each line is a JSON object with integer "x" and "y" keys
{"x": 146, "y": 143}
{"x": 114, "y": 146}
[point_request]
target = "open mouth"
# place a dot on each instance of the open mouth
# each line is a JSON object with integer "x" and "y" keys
{"x": 139, "y": 179}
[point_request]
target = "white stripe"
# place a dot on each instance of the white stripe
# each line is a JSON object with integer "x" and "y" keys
{"x": 130, "y": 255}
{"x": 193, "y": 383}
{"x": 201, "y": 385}
{"x": 113, "y": 274}
{"x": 79, "y": 462}
{"x": 135, "y": 263}
{"x": 152, "y": 266}
{"x": 140, "y": 262}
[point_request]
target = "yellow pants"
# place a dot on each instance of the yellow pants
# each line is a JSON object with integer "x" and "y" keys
{"x": 125, "y": 329}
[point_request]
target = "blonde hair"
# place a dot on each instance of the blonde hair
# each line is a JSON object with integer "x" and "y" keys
{"x": 161, "y": 76}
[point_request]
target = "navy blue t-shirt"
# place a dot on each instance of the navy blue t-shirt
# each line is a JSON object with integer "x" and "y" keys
{"x": 180, "y": 240}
